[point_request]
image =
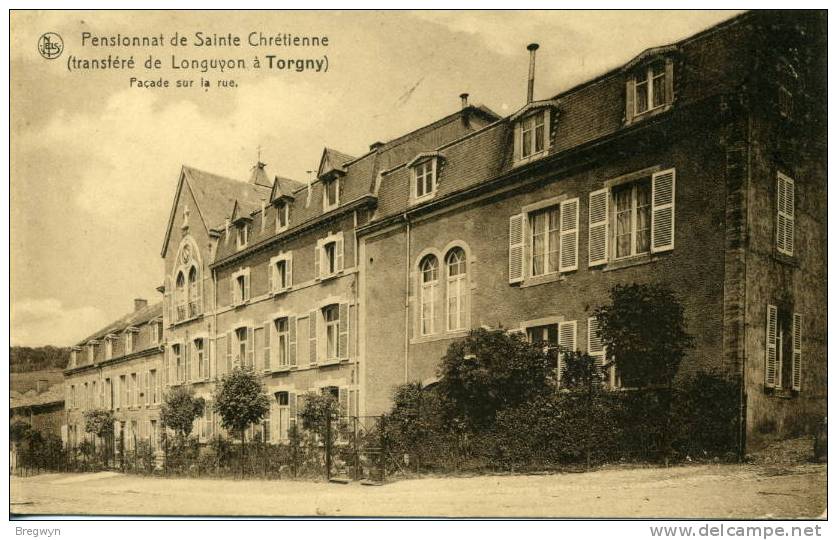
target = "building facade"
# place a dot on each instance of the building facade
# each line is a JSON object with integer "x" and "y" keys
{"x": 699, "y": 165}
{"x": 119, "y": 368}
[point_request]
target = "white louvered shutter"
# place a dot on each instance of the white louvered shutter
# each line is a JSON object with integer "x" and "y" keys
{"x": 343, "y": 333}
{"x": 568, "y": 257}
{"x": 662, "y": 210}
{"x": 233, "y": 291}
{"x": 784, "y": 214}
{"x": 343, "y": 400}
{"x": 796, "y": 375}
{"x": 317, "y": 253}
{"x": 516, "y": 248}
{"x": 247, "y": 286}
{"x": 292, "y": 341}
{"x": 771, "y": 359}
{"x": 566, "y": 342}
{"x": 267, "y": 344}
{"x": 597, "y": 229}
{"x": 251, "y": 347}
{"x": 229, "y": 362}
{"x": 258, "y": 348}
{"x": 271, "y": 268}
{"x": 289, "y": 265}
{"x": 595, "y": 347}
{"x": 312, "y": 337}
{"x": 338, "y": 248}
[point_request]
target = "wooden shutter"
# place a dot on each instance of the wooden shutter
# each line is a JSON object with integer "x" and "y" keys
{"x": 258, "y": 348}
{"x": 516, "y": 248}
{"x": 292, "y": 341}
{"x": 568, "y": 256}
{"x": 289, "y": 264}
{"x": 516, "y": 135}
{"x": 796, "y": 367}
{"x": 566, "y": 342}
{"x": 229, "y": 362}
{"x": 291, "y": 409}
{"x": 771, "y": 358}
{"x": 267, "y": 341}
{"x": 669, "y": 81}
{"x": 338, "y": 253}
{"x": 312, "y": 337}
{"x": 343, "y": 400}
{"x": 251, "y": 347}
{"x": 271, "y": 268}
{"x": 662, "y": 210}
{"x": 168, "y": 301}
{"x": 187, "y": 360}
{"x": 630, "y": 89}
{"x": 597, "y": 229}
{"x": 343, "y": 331}
{"x": 784, "y": 214}
{"x": 595, "y": 347}
{"x": 317, "y": 251}
{"x": 247, "y": 286}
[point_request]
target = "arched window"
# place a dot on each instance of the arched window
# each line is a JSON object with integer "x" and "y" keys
{"x": 457, "y": 288}
{"x": 194, "y": 293}
{"x": 180, "y": 296}
{"x": 429, "y": 268}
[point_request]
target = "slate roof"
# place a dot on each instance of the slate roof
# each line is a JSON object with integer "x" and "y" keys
{"x": 135, "y": 318}
{"x": 215, "y": 194}
{"x": 53, "y": 394}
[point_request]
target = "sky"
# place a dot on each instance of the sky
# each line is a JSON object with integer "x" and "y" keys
{"x": 95, "y": 162}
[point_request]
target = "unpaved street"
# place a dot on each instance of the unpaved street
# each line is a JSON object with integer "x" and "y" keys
{"x": 710, "y": 491}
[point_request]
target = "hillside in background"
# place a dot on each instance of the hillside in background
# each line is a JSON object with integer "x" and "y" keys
{"x": 27, "y": 359}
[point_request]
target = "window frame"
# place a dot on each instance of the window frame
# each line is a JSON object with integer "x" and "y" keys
{"x": 282, "y": 349}
{"x": 327, "y": 204}
{"x": 546, "y": 233}
{"x": 421, "y": 171}
{"x": 428, "y": 290}
{"x": 242, "y": 230}
{"x": 614, "y": 233}
{"x": 461, "y": 284}
{"x": 285, "y": 259}
{"x": 282, "y": 211}
{"x": 331, "y": 329}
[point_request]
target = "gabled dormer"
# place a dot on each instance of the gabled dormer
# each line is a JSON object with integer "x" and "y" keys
{"x": 281, "y": 199}
{"x": 533, "y": 130}
{"x": 331, "y": 171}
{"x": 240, "y": 221}
{"x": 649, "y": 83}
{"x": 424, "y": 176}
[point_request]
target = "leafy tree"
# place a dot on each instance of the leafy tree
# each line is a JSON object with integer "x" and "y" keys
{"x": 316, "y": 410}
{"x": 99, "y": 422}
{"x": 240, "y": 400}
{"x": 489, "y": 371}
{"x": 179, "y": 410}
{"x": 644, "y": 330}
{"x": 19, "y": 431}
{"x": 583, "y": 375}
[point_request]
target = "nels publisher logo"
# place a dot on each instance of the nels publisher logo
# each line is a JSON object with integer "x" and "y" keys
{"x": 50, "y": 45}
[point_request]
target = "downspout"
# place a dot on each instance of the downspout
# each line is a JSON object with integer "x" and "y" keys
{"x": 407, "y": 303}
{"x": 742, "y": 408}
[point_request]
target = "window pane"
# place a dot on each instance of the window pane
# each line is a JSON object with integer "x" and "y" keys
{"x": 538, "y": 242}
{"x": 643, "y": 217}
{"x": 552, "y": 252}
{"x": 659, "y": 90}
{"x": 622, "y": 199}
{"x": 642, "y": 96}
{"x": 526, "y": 148}
{"x": 539, "y": 138}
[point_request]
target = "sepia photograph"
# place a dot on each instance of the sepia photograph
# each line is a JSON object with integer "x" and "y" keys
{"x": 419, "y": 264}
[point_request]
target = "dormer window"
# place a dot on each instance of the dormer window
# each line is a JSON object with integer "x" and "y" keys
{"x": 281, "y": 217}
{"x": 532, "y": 131}
{"x": 109, "y": 347}
{"x": 649, "y": 88}
{"x": 532, "y": 135}
{"x": 241, "y": 232}
{"x": 424, "y": 179}
{"x": 331, "y": 194}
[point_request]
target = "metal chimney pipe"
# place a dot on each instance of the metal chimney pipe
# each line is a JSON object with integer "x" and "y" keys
{"x": 464, "y": 98}
{"x": 530, "y": 92}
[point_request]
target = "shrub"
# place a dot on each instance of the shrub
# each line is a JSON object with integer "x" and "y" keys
{"x": 240, "y": 400}
{"x": 179, "y": 410}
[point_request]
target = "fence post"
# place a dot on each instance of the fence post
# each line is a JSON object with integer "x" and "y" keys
{"x": 382, "y": 449}
{"x": 122, "y": 448}
{"x": 165, "y": 452}
{"x": 356, "y": 449}
{"x": 328, "y": 444}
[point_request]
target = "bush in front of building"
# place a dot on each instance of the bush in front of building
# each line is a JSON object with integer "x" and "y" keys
{"x": 180, "y": 409}
{"x": 240, "y": 400}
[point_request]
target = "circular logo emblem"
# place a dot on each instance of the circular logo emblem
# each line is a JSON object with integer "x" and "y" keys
{"x": 50, "y": 45}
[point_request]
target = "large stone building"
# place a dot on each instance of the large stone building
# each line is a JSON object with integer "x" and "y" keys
{"x": 699, "y": 165}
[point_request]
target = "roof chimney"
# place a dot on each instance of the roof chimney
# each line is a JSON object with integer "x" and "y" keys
{"x": 530, "y": 92}
{"x": 464, "y": 98}
{"x": 375, "y": 145}
{"x": 140, "y": 303}
{"x": 41, "y": 386}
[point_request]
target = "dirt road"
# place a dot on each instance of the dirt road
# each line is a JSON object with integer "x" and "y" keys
{"x": 709, "y": 491}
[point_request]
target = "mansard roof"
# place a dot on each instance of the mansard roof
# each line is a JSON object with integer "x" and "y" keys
{"x": 284, "y": 188}
{"x": 135, "y": 318}
{"x": 333, "y": 161}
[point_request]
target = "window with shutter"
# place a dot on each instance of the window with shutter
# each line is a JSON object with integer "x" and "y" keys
{"x": 597, "y": 230}
{"x": 343, "y": 330}
{"x": 662, "y": 211}
{"x": 313, "y": 355}
{"x": 796, "y": 371}
{"x": 569, "y": 236}
{"x": 771, "y": 367}
{"x": 258, "y": 348}
{"x": 268, "y": 340}
{"x": 318, "y": 249}
{"x": 649, "y": 89}
{"x": 566, "y": 343}
{"x": 339, "y": 252}
{"x": 516, "y": 248}
{"x": 292, "y": 341}
{"x": 784, "y": 214}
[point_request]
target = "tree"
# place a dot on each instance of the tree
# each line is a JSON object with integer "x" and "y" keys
{"x": 179, "y": 410}
{"x": 99, "y": 422}
{"x": 240, "y": 400}
{"x": 583, "y": 374}
{"x": 315, "y": 412}
{"x": 489, "y": 371}
{"x": 644, "y": 331}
